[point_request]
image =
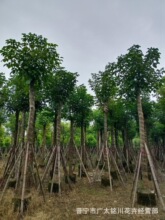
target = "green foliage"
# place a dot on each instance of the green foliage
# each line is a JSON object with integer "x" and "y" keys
{"x": 157, "y": 117}
{"x": 32, "y": 58}
{"x": 45, "y": 116}
{"x": 91, "y": 137}
{"x": 60, "y": 86}
{"x": 18, "y": 95}
{"x": 104, "y": 84}
{"x": 98, "y": 118}
{"x": 78, "y": 106}
{"x": 138, "y": 73}
{"x": 3, "y": 90}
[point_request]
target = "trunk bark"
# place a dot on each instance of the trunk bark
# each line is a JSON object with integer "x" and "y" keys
{"x": 105, "y": 125}
{"x": 71, "y": 148}
{"x": 83, "y": 142}
{"x": 141, "y": 122}
{"x": 125, "y": 140}
{"x": 144, "y": 161}
{"x": 16, "y": 128}
{"x": 116, "y": 138}
{"x": 43, "y": 142}
{"x": 54, "y": 129}
{"x": 30, "y": 129}
{"x": 58, "y": 125}
{"x": 30, "y": 134}
{"x": 98, "y": 142}
{"x": 22, "y": 132}
{"x": 71, "y": 132}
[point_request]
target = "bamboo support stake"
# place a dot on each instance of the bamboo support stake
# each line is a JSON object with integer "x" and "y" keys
{"x": 120, "y": 157}
{"x": 65, "y": 169}
{"x": 4, "y": 189}
{"x": 59, "y": 171}
{"x": 54, "y": 170}
{"x": 39, "y": 179}
{"x": 24, "y": 179}
{"x": 48, "y": 164}
{"x": 109, "y": 169}
{"x": 118, "y": 171}
{"x": 101, "y": 153}
{"x": 81, "y": 162}
{"x": 19, "y": 168}
{"x": 154, "y": 177}
{"x": 136, "y": 180}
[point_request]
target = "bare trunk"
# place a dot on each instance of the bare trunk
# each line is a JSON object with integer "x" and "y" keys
{"x": 105, "y": 125}
{"x": 83, "y": 142}
{"x": 116, "y": 137}
{"x": 126, "y": 144}
{"x": 144, "y": 162}
{"x": 141, "y": 122}
{"x": 71, "y": 148}
{"x": 58, "y": 126}
{"x": 30, "y": 129}
{"x": 98, "y": 142}
{"x": 54, "y": 129}
{"x": 30, "y": 133}
{"x": 16, "y": 128}
{"x": 71, "y": 131}
{"x": 113, "y": 141}
{"x": 22, "y": 133}
{"x": 43, "y": 145}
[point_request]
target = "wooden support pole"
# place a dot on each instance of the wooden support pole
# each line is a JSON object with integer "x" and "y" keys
{"x": 4, "y": 189}
{"x": 39, "y": 179}
{"x": 24, "y": 179}
{"x": 154, "y": 177}
{"x": 59, "y": 170}
{"x": 53, "y": 174}
{"x": 136, "y": 180}
{"x": 48, "y": 164}
{"x": 109, "y": 169}
{"x": 118, "y": 171}
{"x": 82, "y": 164}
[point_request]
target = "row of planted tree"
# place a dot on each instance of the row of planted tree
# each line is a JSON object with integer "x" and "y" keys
{"x": 40, "y": 92}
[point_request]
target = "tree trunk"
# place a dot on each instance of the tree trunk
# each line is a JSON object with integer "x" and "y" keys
{"x": 141, "y": 122}
{"x": 71, "y": 147}
{"x": 30, "y": 134}
{"x": 16, "y": 128}
{"x": 105, "y": 125}
{"x": 71, "y": 133}
{"x": 22, "y": 132}
{"x": 98, "y": 142}
{"x": 126, "y": 144}
{"x": 83, "y": 142}
{"x": 58, "y": 126}
{"x": 116, "y": 137}
{"x": 43, "y": 145}
{"x": 54, "y": 129}
{"x": 31, "y": 119}
{"x": 144, "y": 162}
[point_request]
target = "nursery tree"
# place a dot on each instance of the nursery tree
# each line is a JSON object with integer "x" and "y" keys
{"x": 80, "y": 105}
{"x": 104, "y": 86}
{"x": 17, "y": 101}
{"x": 44, "y": 118}
{"x": 138, "y": 74}
{"x": 3, "y": 97}
{"x": 60, "y": 86}
{"x": 33, "y": 59}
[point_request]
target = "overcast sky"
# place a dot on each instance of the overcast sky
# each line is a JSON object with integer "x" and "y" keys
{"x": 89, "y": 33}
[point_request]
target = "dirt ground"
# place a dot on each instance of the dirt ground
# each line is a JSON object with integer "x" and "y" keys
{"x": 85, "y": 201}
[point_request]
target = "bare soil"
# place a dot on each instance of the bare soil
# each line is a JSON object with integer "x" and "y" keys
{"x": 82, "y": 202}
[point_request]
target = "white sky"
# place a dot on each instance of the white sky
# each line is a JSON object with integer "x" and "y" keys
{"x": 89, "y": 33}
